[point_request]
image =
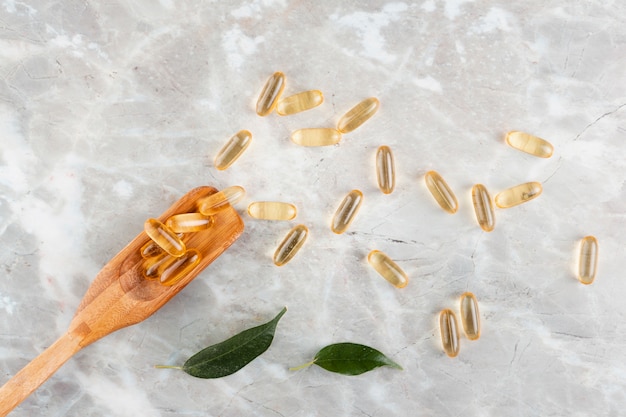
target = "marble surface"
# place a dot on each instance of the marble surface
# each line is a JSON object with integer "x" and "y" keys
{"x": 110, "y": 111}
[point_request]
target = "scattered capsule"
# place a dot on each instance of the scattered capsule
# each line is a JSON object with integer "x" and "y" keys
{"x": 316, "y": 136}
{"x": 469, "y": 316}
{"x": 164, "y": 237}
{"x": 189, "y": 222}
{"x": 233, "y": 149}
{"x": 588, "y": 260}
{"x": 346, "y": 211}
{"x": 387, "y": 268}
{"x": 172, "y": 272}
{"x": 518, "y": 194}
{"x": 272, "y": 210}
{"x": 220, "y": 200}
{"x": 271, "y": 94}
{"x": 358, "y": 115}
{"x": 290, "y": 245}
{"x": 449, "y": 332}
{"x": 530, "y": 144}
{"x": 299, "y": 102}
{"x": 483, "y": 207}
{"x": 441, "y": 192}
{"x": 385, "y": 170}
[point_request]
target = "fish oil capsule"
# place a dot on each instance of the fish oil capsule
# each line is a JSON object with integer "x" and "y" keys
{"x": 150, "y": 266}
{"x": 441, "y": 192}
{"x": 346, "y": 211}
{"x": 220, "y": 200}
{"x": 150, "y": 249}
{"x": 272, "y": 210}
{"x": 299, "y": 102}
{"x": 518, "y": 194}
{"x": 164, "y": 237}
{"x": 588, "y": 260}
{"x": 233, "y": 149}
{"x": 189, "y": 222}
{"x": 385, "y": 170}
{"x": 290, "y": 245}
{"x": 530, "y": 144}
{"x": 449, "y": 332}
{"x": 171, "y": 272}
{"x": 271, "y": 94}
{"x": 469, "y": 316}
{"x": 316, "y": 136}
{"x": 358, "y": 115}
{"x": 483, "y": 208}
{"x": 387, "y": 268}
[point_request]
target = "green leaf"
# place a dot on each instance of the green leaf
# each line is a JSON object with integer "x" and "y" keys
{"x": 231, "y": 355}
{"x": 350, "y": 359}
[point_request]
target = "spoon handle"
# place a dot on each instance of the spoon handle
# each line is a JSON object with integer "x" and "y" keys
{"x": 35, "y": 373}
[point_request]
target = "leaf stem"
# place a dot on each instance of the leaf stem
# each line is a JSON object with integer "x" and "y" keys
{"x": 306, "y": 365}
{"x": 168, "y": 367}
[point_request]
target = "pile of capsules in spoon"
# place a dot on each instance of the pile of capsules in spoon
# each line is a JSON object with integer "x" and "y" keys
{"x": 168, "y": 260}
{"x": 166, "y": 257}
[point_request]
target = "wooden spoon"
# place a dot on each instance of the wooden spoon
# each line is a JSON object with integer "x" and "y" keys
{"x": 120, "y": 296}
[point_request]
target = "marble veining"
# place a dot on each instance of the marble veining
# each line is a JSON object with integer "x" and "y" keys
{"x": 110, "y": 111}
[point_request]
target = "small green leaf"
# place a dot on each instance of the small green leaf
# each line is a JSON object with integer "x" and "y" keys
{"x": 350, "y": 359}
{"x": 231, "y": 355}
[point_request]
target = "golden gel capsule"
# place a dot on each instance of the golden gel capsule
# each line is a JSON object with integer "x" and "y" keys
{"x": 189, "y": 222}
{"x": 172, "y": 272}
{"x": 346, "y": 211}
{"x": 518, "y": 194}
{"x": 233, "y": 149}
{"x": 483, "y": 208}
{"x": 272, "y": 210}
{"x": 358, "y": 115}
{"x": 299, "y": 102}
{"x": 316, "y": 136}
{"x": 449, "y": 332}
{"x": 290, "y": 245}
{"x": 469, "y": 316}
{"x": 271, "y": 94}
{"x": 151, "y": 265}
{"x": 530, "y": 144}
{"x": 441, "y": 191}
{"x": 220, "y": 200}
{"x": 385, "y": 170}
{"x": 150, "y": 249}
{"x": 164, "y": 237}
{"x": 588, "y": 260}
{"x": 387, "y": 268}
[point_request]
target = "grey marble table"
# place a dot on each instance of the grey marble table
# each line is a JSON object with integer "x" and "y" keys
{"x": 110, "y": 111}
